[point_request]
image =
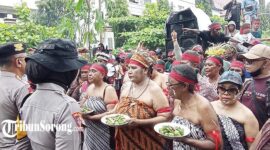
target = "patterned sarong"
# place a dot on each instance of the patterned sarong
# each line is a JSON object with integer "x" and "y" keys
{"x": 139, "y": 138}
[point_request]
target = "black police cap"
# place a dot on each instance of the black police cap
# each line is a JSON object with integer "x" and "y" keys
{"x": 12, "y": 48}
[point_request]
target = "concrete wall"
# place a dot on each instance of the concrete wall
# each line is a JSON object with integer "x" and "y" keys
{"x": 7, "y": 9}
{"x": 178, "y": 5}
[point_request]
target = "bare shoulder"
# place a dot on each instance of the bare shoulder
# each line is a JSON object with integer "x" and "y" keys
{"x": 154, "y": 87}
{"x": 205, "y": 108}
{"x": 246, "y": 111}
{"x": 110, "y": 89}
{"x": 204, "y": 103}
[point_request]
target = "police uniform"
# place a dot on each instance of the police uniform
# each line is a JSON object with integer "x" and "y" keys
{"x": 12, "y": 91}
{"x": 55, "y": 114}
{"x": 50, "y": 105}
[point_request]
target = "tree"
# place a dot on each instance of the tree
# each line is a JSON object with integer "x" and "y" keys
{"x": 117, "y": 8}
{"x": 51, "y": 11}
{"x": 204, "y": 5}
{"x": 25, "y": 30}
{"x": 76, "y": 20}
{"x": 264, "y": 15}
{"x": 149, "y": 28}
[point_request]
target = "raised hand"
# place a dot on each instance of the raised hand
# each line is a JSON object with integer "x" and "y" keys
{"x": 174, "y": 35}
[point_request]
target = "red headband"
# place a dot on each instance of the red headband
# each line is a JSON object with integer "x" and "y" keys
{"x": 86, "y": 67}
{"x": 160, "y": 66}
{"x": 215, "y": 60}
{"x": 191, "y": 58}
{"x": 215, "y": 26}
{"x": 134, "y": 62}
{"x": 180, "y": 78}
{"x": 99, "y": 68}
{"x": 238, "y": 64}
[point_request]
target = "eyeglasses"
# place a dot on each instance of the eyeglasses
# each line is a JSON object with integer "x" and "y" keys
{"x": 251, "y": 61}
{"x": 170, "y": 85}
{"x": 230, "y": 91}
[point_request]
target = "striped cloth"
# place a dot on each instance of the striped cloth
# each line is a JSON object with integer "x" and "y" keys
{"x": 196, "y": 132}
{"x": 97, "y": 135}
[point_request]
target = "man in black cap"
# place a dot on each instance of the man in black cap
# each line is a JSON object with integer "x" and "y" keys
{"x": 53, "y": 67}
{"x": 12, "y": 91}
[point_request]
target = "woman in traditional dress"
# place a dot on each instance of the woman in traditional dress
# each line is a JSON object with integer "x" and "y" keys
{"x": 193, "y": 111}
{"x": 213, "y": 69}
{"x": 239, "y": 126}
{"x": 101, "y": 98}
{"x": 143, "y": 100}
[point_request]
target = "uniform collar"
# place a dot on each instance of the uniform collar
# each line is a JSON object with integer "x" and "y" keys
{"x": 50, "y": 86}
{"x": 7, "y": 74}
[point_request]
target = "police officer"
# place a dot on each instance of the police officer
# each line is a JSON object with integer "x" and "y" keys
{"x": 55, "y": 115}
{"x": 12, "y": 91}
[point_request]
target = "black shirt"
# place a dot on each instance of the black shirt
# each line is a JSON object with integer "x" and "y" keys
{"x": 206, "y": 38}
{"x": 235, "y": 10}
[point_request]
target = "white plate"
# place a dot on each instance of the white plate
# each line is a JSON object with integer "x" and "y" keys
{"x": 160, "y": 125}
{"x": 104, "y": 119}
{"x": 91, "y": 112}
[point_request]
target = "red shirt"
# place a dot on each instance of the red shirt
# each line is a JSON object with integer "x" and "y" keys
{"x": 261, "y": 93}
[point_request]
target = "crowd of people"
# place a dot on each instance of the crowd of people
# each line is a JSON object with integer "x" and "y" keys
{"x": 223, "y": 99}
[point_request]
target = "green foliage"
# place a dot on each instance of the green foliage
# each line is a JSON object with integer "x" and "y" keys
{"x": 72, "y": 18}
{"x": 163, "y": 5}
{"x": 219, "y": 19}
{"x": 26, "y": 30}
{"x": 51, "y": 11}
{"x": 264, "y": 17}
{"x": 23, "y": 12}
{"x": 151, "y": 37}
{"x": 204, "y": 5}
{"x": 148, "y": 29}
{"x": 28, "y": 33}
{"x": 100, "y": 23}
{"x": 117, "y": 8}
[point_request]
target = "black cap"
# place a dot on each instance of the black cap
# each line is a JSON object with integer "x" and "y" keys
{"x": 12, "y": 48}
{"x": 59, "y": 55}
